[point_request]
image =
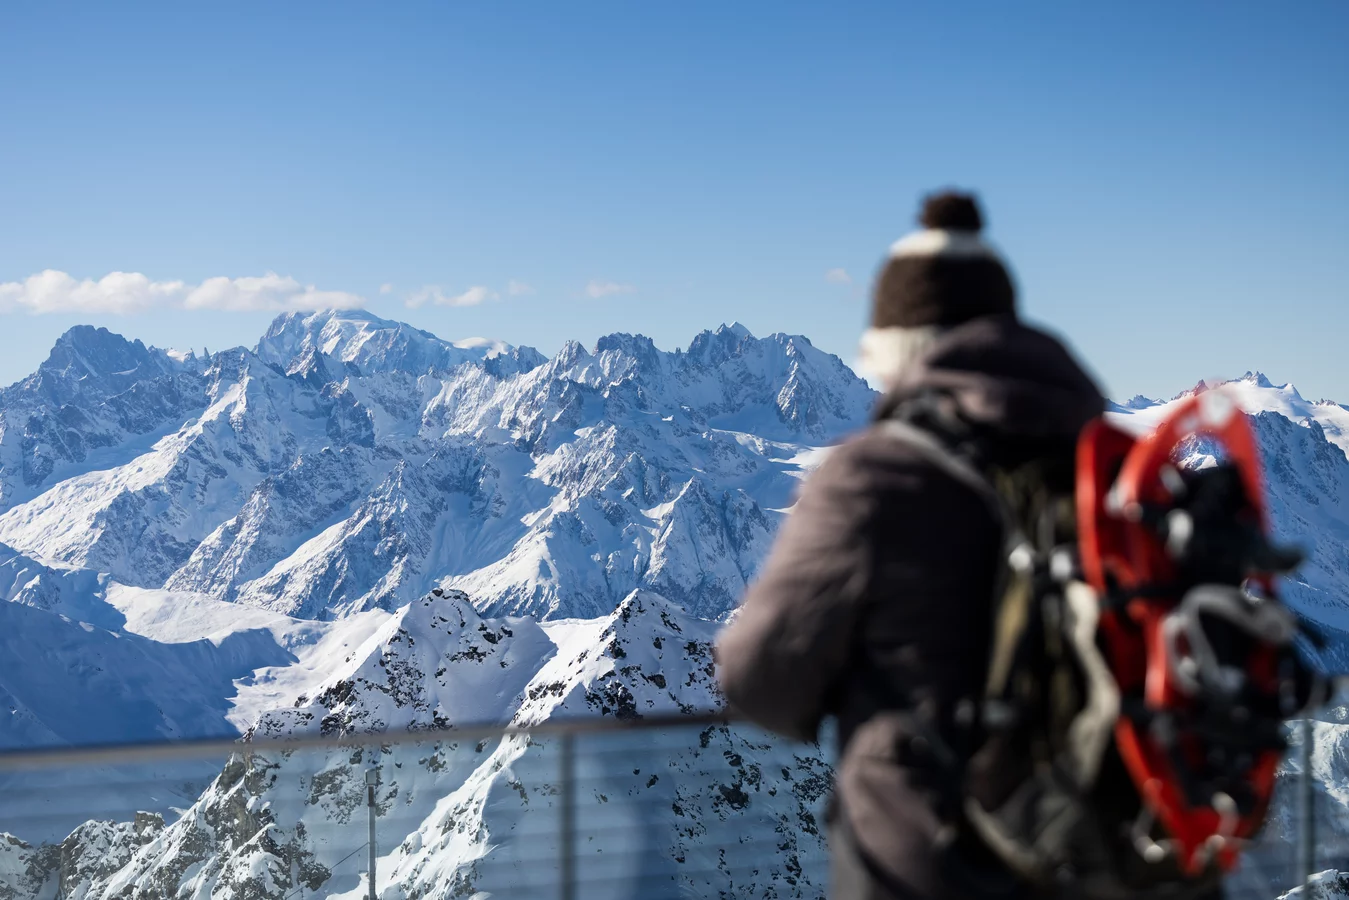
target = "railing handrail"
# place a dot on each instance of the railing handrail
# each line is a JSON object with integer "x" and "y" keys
{"x": 132, "y": 752}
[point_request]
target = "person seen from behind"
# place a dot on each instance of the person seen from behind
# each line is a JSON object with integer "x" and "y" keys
{"x": 874, "y": 605}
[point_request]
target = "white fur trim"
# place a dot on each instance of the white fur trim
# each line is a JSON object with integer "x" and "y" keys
{"x": 886, "y": 352}
{"x": 940, "y": 242}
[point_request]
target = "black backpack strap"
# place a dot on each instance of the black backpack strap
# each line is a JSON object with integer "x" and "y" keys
{"x": 1010, "y": 618}
{"x": 926, "y": 744}
{"x": 947, "y": 459}
{"x": 931, "y": 423}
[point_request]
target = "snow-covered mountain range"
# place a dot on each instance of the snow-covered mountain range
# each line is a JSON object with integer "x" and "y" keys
{"x": 356, "y": 526}
{"x": 349, "y": 463}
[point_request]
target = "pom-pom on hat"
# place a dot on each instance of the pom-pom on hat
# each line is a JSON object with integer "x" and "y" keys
{"x": 944, "y": 274}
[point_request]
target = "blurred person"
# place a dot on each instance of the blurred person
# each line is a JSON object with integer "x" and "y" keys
{"x": 874, "y": 605}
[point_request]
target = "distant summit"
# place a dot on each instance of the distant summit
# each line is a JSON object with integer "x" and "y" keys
{"x": 1138, "y": 401}
{"x": 1256, "y": 393}
{"x": 357, "y": 338}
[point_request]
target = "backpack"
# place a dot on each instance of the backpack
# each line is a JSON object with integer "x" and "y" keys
{"x": 1141, "y": 665}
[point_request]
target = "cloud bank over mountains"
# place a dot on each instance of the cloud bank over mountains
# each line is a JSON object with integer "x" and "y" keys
{"x": 52, "y": 291}
{"x": 128, "y": 293}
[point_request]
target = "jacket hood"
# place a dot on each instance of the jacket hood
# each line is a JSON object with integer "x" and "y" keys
{"x": 1006, "y": 376}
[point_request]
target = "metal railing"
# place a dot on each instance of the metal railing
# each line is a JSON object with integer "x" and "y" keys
{"x": 684, "y": 806}
{"x": 681, "y": 806}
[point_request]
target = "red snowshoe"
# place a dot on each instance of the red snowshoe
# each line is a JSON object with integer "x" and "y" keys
{"x": 1200, "y": 646}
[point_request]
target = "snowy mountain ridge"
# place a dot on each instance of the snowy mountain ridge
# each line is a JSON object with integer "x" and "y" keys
{"x": 349, "y": 463}
{"x": 1255, "y": 393}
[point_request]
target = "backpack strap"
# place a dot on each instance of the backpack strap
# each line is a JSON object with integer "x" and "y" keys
{"x": 1016, "y": 552}
{"x": 931, "y": 424}
{"x": 958, "y": 855}
{"x": 946, "y": 458}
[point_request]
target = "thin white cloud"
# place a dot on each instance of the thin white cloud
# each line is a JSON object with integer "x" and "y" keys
{"x": 436, "y": 296}
{"x": 386, "y": 289}
{"x": 51, "y": 291}
{"x": 471, "y": 297}
{"x": 127, "y": 293}
{"x": 596, "y": 288}
{"x": 838, "y": 276}
{"x": 271, "y": 292}
{"x": 518, "y": 288}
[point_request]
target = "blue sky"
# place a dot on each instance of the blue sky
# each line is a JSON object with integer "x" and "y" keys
{"x": 1169, "y": 180}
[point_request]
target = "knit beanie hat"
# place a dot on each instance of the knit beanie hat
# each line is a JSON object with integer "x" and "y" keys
{"x": 943, "y": 275}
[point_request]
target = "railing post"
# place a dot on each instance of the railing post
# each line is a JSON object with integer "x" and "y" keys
{"x": 567, "y": 826}
{"x": 1308, "y": 785}
{"x": 371, "y": 779}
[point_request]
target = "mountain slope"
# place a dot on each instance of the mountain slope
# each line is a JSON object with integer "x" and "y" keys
{"x": 95, "y": 399}
{"x": 457, "y": 818}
